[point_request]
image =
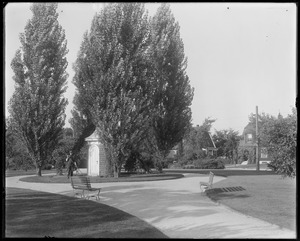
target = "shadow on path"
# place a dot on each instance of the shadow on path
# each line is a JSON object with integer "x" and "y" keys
{"x": 180, "y": 211}
{"x": 39, "y": 214}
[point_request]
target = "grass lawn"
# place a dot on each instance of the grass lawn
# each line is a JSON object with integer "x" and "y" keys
{"x": 267, "y": 197}
{"x": 51, "y": 177}
{"x": 13, "y": 173}
{"x": 30, "y": 213}
{"x": 222, "y": 172}
{"x": 125, "y": 178}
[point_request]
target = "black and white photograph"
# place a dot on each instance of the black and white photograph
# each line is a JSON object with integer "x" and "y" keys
{"x": 150, "y": 120}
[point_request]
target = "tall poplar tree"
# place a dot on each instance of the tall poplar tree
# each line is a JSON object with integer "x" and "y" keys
{"x": 37, "y": 104}
{"x": 173, "y": 94}
{"x": 114, "y": 79}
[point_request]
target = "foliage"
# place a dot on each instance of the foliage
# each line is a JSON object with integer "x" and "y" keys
{"x": 196, "y": 140}
{"x": 173, "y": 95}
{"x": 227, "y": 142}
{"x": 114, "y": 78}
{"x": 138, "y": 161}
{"x": 247, "y": 154}
{"x": 176, "y": 165}
{"x": 16, "y": 154}
{"x": 263, "y": 119}
{"x": 81, "y": 122}
{"x": 138, "y": 101}
{"x": 281, "y": 135}
{"x": 37, "y": 104}
{"x": 59, "y": 155}
{"x": 209, "y": 164}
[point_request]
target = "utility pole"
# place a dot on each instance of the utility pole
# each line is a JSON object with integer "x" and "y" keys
{"x": 257, "y": 140}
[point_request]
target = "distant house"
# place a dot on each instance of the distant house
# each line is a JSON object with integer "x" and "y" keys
{"x": 210, "y": 146}
{"x": 247, "y": 146}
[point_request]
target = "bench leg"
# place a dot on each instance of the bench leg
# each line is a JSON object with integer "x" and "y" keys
{"x": 75, "y": 192}
{"x": 82, "y": 194}
{"x": 98, "y": 195}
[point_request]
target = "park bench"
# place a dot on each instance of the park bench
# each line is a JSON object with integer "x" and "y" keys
{"x": 83, "y": 184}
{"x": 207, "y": 185}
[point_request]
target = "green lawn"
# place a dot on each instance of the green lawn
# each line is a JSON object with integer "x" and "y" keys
{"x": 124, "y": 177}
{"x": 128, "y": 178}
{"x": 13, "y": 173}
{"x": 261, "y": 194}
{"x": 267, "y": 197}
{"x": 34, "y": 214}
{"x": 222, "y": 172}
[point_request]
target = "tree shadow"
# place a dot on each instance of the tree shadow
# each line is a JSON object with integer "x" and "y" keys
{"x": 182, "y": 213}
{"x": 160, "y": 207}
{"x": 223, "y": 193}
{"x": 31, "y": 213}
{"x": 226, "y": 189}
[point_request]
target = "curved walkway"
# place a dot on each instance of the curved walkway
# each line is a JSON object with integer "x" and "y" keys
{"x": 175, "y": 207}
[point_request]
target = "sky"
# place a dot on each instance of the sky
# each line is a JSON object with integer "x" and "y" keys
{"x": 240, "y": 55}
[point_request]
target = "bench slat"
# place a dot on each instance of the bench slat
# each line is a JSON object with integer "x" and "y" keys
{"x": 83, "y": 183}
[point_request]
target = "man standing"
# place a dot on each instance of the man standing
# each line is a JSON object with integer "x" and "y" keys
{"x": 70, "y": 164}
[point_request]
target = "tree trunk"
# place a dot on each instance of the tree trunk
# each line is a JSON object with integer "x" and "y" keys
{"x": 116, "y": 171}
{"x": 39, "y": 170}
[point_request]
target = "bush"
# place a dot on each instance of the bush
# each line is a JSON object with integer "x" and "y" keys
{"x": 47, "y": 167}
{"x": 225, "y": 160}
{"x": 175, "y": 165}
{"x": 189, "y": 167}
{"x": 209, "y": 164}
{"x": 19, "y": 162}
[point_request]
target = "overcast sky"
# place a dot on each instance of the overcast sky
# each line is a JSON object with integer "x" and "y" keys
{"x": 240, "y": 55}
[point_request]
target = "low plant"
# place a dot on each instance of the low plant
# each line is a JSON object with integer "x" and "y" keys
{"x": 209, "y": 164}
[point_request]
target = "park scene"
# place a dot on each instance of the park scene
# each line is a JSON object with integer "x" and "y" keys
{"x": 131, "y": 158}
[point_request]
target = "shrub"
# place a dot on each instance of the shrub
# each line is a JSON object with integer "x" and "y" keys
{"x": 209, "y": 164}
{"x": 175, "y": 166}
{"x": 47, "y": 166}
{"x": 189, "y": 167}
{"x": 224, "y": 160}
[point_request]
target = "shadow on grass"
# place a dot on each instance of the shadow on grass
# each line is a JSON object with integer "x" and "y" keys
{"x": 226, "y": 189}
{"x": 39, "y": 214}
{"x": 223, "y": 193}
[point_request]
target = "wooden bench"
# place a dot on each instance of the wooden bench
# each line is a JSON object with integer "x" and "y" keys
{"x": 83, "y": 184}
{"x": 207, "y": 185}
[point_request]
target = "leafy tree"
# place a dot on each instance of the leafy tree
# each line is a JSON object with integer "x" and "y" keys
{"x": 197, "y": 139}
{"x": 227, "y": 142}
{"x": 263, "y": 119}
{"x": 114, "y": 78}
{"x": 37, "y": 104}
{"x": 16, "y": 154}
{"x": 281, "y": 136}
{"x": 173, "y": 95}
{"x": 64, "y": 147}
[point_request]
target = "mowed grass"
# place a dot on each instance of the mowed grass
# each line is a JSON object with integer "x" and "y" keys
{"x": 267, "y": 197}
{"x": 260, "y": 194}
{"x": 13, "y": 173}
{"x": 223, "y": 172}
{"x": 33, "y": 214}
{"x": 96, "y": 179}
{"x": 49, "y": 176}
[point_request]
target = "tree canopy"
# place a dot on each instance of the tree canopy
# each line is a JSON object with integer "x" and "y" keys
{"x": 281, "y": 136}
{"x": 119, "y": 84}
{"x": 173, "y": 95}
{"x": 37, "y": 105}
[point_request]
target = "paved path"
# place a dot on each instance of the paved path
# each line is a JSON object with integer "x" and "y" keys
{"x": 175, "y": 207}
